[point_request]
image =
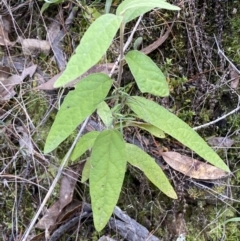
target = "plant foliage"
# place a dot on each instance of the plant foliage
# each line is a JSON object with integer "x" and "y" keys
{"x": 106, "y": 166}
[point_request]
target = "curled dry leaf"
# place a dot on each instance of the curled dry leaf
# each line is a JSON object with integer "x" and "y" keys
{"x": 220, "y": 142}
{"x": 7, "y": 84}
{"x": 192, "y": 167}
{"x": 102, "y": 68}
{"x": 5, "y": 26}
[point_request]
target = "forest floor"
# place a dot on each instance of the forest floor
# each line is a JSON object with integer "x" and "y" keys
{"x": 199, "y": 58}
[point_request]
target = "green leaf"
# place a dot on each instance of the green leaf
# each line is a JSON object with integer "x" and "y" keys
{"x": 158, "y": 116}
{"x": 86, "y": 142}
{"x": 77, "y": 106}
{"x": 108, "y": 5}
{"x": 93, "y": 45}
{"x": 137, "y": 43}
{"x": 151, "y": 169}
{"x": 151, "y": 129}
{"x": 144, "y": 126}
{"x": 131, "y": 9}
{"x": 44, "y": 7}
{"x": 148, "y": 76}
{"x": 105, "y": 113}
{"x": 86, "y": 171}
{"x": 232, "y": 220}
{"x": 108, "y": 165}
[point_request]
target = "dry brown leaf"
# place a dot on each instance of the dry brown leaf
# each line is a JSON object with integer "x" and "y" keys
{"x": 71, "y": 209}
{"x": 192, "y": 167}
{"x": 5, "y": 26}
{"x": 49, "y": 84}
{"x": 38, "y": 237}
{"x": 220, "y": 142}
{"x": 7, "y": 84}
{"x": 4, "y": 72}
{"x": 101, "y": 68}
{"x": 34, "y": 46}
{"x": 74, "y": 207}
{"x": 234, "y": 77}
{"x": 55, "y": 36}
{"x": 158, "y": 42}
{"x": 68, "y": 184}
{"x": 59, "y": 208}
{"x": 50, "y": 217}
{"x": 25, "y": 141}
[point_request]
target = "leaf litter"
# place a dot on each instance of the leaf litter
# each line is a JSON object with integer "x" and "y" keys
{"x": 7, "y": 83}
{"x": 221, "y": 142}
{"x": 192, "y": 167}
{"x": 62, "y": 208}
{"x": 39, "y": 88}
{"x": 5, "y": 27}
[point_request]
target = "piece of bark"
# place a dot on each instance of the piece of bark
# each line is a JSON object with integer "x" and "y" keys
{"x": 106, "y": 238}
{"x": 128, "y": 228}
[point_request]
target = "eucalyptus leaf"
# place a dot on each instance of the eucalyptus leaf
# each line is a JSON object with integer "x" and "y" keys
{"x": 131, "y": 9}
{"x": 148, "y": 76}
{"x": 76, "y": 107}
{"x": 140, "y": 159}
{"x": 93, "y": 45}
{"x": 158, "y": 116}
{"x": 108, "y": 165}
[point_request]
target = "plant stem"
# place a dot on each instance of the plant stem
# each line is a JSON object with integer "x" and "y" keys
{"x": 121, "y": 54}
{"x": 126, "y": 44}
{"x": 108, "y": 6}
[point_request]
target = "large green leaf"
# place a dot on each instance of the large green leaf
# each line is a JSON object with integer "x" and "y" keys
{"x": 86, "y": 142}
{"x": 108, "y": 164}
{"x": 148, "y": 76}
{"x": 160, "y": 117}
{"x": 77, "y": 105}
{"x": 93, "y": 45}
{"x": 131, "y": 9}
{"x": 151, "y": 169}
